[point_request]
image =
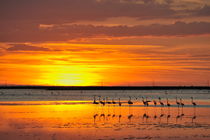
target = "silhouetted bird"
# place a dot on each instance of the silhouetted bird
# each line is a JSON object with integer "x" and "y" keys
{"x": 178, "y": 103}
{"x": 181, "y": 103}
{"x": 94, "y": 100}
{"x": 168, "y": 104}
{"x": 120, "y": 102}
{"x": 161, "y": 103}
{"x": 101, "y": 102}
{"x": 113, "y": 102}
{"x": 194, "y": 104}
{"x": 107, "y": 101}
{"x": 155, "y": 103}
{"x": 129, "y": 101}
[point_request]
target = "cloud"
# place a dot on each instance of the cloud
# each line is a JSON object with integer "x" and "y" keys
{"x": 67, "y": 11}
{"x": 204, "y": 11}
{"x": 59, "y": 11}
{"x": 70, "y": 32}
{"x": 20, "y": 20}
{"x": 23, "y": 47}
{"x": 199, "y": 69}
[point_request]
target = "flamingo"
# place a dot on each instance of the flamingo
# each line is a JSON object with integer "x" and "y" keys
{"x": 144, "y": 102}
{"x": 161, "y": 103}
{"x": 181, "y": 103}
{"x": 107, "y": 101}
{"x": 94, "y": 100}
{"x": 168, "y": 104}
{"x": 147, "y": 102}
{"x": 129, "y": 101}
{"x": 178, "y": 103}
{"x": 120, "y": 102}
{"x": 155, "y": 103}
{"x": 194, "y": 104}
{"x": 101, "y": 102}
{"x": 113, "y": 102}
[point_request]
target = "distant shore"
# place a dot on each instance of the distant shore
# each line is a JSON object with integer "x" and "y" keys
{"x": 108, "y": 87}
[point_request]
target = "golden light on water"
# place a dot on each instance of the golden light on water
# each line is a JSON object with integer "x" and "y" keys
{"x": 76, "y": 121}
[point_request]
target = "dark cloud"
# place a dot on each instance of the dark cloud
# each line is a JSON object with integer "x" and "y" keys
{"x": 60, "y": 11}
{"x": 69, "y": 32}
{"x": 20, "y": 20}
{"x": 65, "y": 11}
{"x": 204, "y": 11}
{"x": 23, "y": 47}
{"x": 199, "y": 69}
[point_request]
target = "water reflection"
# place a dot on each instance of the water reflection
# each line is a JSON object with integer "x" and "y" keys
{"x": 79, "y": 121}
{"x": 148, "y": 115}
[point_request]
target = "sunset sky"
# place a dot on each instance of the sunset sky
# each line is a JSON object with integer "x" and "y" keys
{"x": 104, "y": 42}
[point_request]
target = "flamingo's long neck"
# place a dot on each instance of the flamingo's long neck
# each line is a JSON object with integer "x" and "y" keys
{"x": 180, "y": 100}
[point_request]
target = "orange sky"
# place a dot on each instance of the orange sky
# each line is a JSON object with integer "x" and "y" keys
{"x": 103, "y": 42}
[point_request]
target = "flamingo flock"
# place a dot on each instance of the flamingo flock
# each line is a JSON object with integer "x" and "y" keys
{"x": 145, "y": 101}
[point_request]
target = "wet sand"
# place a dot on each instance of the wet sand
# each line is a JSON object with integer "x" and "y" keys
{"x": 73, "y": 120}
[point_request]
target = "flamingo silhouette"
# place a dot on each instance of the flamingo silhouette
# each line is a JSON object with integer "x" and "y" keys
{"x": 181, "y": 103}
{"x": 129, "y": 101}
{"x": 178, "y": 103}
{"x": 107, "y": 101}
{"x": 194, "y": 104}
{"x": 120, "y": 102}
{"x": 168, "y": 104}
{"x": 94, "y": 100}
{"x": 101, "y": 102}
{"x": 161, "y": 103}
{"x": 113, "y": 102}
{"x": 155, "y": 103}
{"x": 144, "y": 102}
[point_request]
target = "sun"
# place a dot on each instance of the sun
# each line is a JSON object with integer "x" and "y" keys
{"x": 69, "y": 76}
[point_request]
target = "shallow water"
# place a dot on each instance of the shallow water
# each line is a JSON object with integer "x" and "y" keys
{"x": 81, "y": 95}
{"x": 64, "y": 115}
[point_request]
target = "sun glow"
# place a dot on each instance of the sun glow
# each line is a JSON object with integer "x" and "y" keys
{"x": 67, "y": 77}
{"x": 65, "y": 64}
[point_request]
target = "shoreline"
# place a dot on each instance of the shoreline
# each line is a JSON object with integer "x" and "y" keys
{"x": 108, "y": 87}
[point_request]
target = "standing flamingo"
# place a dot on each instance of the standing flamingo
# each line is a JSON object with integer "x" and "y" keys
{"x": 194, "y": 104}
{"x": 147, "y": 102}
{"x": 94, "y": 100}
{"x": 155, "y": 103}
{"x": 120, "y": 102}
{"x": 113, "y": 102}
{"x": 181, "y": 103}
{"x": 178, "y": 103}
{"x": 161, "y": 103}
{"x": 107, "y": 101}
{"x": 129, "y": 101}
{"x": 101, "y": 102}
{"x": 144, "y": 102}
{"x": 168, "y": 104}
